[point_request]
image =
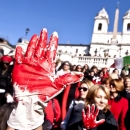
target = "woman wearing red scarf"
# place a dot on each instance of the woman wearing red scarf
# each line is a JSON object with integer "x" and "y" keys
{"x": 6, "y": 89}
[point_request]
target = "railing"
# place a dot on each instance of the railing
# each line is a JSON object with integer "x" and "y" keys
{"x": 100, "y": 62}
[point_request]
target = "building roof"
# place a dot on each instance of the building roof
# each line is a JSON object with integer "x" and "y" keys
{"x": 103, "y": 13}
{"x": 127, "y": 14}
{"x": 3, "y": 41}
{"x": 72, "y": 44}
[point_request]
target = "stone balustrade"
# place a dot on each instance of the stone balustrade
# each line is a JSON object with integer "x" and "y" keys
{"x": 100, "y": 62}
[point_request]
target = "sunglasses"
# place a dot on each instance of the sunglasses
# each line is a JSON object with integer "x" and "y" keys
{"x": 66, "y": 64}
{"x": 82, "y": 88}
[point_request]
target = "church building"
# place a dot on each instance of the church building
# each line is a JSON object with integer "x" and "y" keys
{"x": 110, "y": 44}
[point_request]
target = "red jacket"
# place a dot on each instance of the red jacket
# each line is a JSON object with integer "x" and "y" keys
{"x": 50, "y": 113}
{"x": 119, "y": 109}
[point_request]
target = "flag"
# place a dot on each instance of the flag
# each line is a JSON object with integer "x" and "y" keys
{"x": 121, "y": 62}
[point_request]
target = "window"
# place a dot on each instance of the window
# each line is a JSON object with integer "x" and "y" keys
{"x": 99, "y": 26}
{"x": 128, "y": 27}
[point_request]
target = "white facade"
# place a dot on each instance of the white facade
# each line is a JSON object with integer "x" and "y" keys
{"x": 101, "y": 39}
{"x": 73, "y": 49}
{"x": 5, "y": 47}
{"x": 23, "y": 44}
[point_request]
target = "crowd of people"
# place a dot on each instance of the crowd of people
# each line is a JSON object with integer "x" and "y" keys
{"x": 37, "y": 93}
{"x": 110, "y": 92}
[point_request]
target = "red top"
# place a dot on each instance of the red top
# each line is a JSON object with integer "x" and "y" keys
{"x": 119, "y": 109}
{"x": 65, "y": 97}
{"x": 105, "y": 75}
{"x": 50, "y": 113}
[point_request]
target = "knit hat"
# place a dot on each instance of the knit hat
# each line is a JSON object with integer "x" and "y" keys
{"x": 6, "y": 58}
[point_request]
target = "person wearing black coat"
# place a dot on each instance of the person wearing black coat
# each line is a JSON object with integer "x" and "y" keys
{"x": 126, "y": 94}
{"x": 6, "y": 88}
{"x": 109, "y": 124}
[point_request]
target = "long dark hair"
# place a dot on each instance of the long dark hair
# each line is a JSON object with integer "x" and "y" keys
{"x": 5, "y": 112}
{"x": 63, "y": 63}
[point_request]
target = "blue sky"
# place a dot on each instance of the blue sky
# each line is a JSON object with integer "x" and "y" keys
{"x": 72, "y": 19}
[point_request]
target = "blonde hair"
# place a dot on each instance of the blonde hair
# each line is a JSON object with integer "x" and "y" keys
{"x": 92, "y": 93}
{"x": 88, "y": 82}
{"x": 119, "y": 86}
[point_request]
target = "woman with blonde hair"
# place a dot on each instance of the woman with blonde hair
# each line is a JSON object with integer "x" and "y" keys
{"x": 98, "y": 97}
{"x": 119, "y": 105}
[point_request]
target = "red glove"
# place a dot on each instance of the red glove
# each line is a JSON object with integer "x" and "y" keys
{"x": 89, "y": 119}
{"x": 34, "y": 72}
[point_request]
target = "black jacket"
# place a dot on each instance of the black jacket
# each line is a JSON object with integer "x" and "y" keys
{"x": 5, "y": 80}
{"x": 109, "y": 124}
{"x": 127, "y": 118}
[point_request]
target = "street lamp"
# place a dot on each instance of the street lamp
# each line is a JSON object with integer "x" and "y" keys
{"x": 27, "y": 30}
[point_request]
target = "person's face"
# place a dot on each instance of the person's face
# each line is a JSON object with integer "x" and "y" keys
{"x": 83, "y": 90}
{"x": 107, "y": 84}
{"x": 66, "y": 66}
{"x": 101, "y": 74}
{"x": 86, "y": 67}
{"x": 127, "y": 83}
{"x": 5, "y": 65}
{"x": 112, "y": 88}
{"x": 95, "y": 70}
{"x": 92, "y": 74}
{"x": 104, "y": 70}
{"x": 79, "y": 68}
{"x": 100, "y": 99}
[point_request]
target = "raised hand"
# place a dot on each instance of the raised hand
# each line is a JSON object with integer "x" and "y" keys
{"x": 34, "y": 72}
{"x": 89, "y": 119}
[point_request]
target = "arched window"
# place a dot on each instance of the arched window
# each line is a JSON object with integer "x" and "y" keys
{"x": 99, "y": 26}
{"x": 128, "y": 27}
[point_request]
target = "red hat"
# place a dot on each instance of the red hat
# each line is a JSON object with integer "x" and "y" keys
{"x": 6, "y": 58}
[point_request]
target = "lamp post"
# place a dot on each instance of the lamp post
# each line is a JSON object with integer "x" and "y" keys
{"x": 27, "y": 30}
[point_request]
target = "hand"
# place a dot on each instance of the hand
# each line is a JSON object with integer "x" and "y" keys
{"x": 34, "y": 72}
{"x": 9, "y": 99}
{"x": 89, "y": 119}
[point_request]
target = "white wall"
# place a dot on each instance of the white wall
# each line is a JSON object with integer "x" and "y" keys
{"x": 125, "y": 22}
{"x": 72, "y": 49}
{"x": 104, "y": 26}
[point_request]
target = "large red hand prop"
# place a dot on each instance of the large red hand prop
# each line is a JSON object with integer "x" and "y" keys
{"x": 89, "y": 119}
{"x": 34, "y": 72}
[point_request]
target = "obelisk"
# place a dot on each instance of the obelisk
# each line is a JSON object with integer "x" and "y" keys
{"x": 115, "y": 28}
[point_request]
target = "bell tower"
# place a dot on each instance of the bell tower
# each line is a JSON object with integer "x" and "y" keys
{"x": 100, "y": 26}
{"x": 101, "y": 22}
